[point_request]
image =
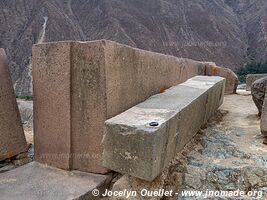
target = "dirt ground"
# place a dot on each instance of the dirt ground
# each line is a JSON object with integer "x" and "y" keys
{"x": 242, "y": 115}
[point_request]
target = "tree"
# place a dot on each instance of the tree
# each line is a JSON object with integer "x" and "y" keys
{"x": 252, "y": 68}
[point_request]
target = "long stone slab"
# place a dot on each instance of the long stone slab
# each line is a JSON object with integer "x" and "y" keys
{"x": 251, "y": 78}
{"x": 264, "y": 116}
{"x": 12, "y": 138}
{"x": 77, "y": 86}
{"x": 36, "y": 181}
{"x": 133, "y": 146}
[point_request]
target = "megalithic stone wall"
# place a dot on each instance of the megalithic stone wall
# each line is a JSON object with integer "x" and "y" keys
{"x": 264, "y": 116}
{"x": 12, "y": 139}
{"x": 77, "y": 86}
{"x": 132, "y": 145}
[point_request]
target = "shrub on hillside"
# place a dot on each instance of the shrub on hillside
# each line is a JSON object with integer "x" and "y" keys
{"x": 252, "y": 68}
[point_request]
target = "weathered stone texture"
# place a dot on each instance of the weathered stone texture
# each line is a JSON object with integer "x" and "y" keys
{"x": 264, "y": 116}
{"x": 251, "y": 78}
{"x": 258, "y": 90}
{"x": 88, "y": 105}
{"x": 52, "y": 104}
{"x": 36, "y": 181}
{"x": 77, "y": 86}
{"x": 133, "y": 147}
{"x": 133, "y": 75}
{"x": 94, "y": 81}
{"x": 231, "y": 78}
{"x": 12, "y": 139}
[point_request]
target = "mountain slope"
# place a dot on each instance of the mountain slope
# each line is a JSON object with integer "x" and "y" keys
{"x": 228, "y": 32}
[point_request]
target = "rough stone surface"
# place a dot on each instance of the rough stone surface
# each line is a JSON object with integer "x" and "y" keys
{"x": 133, "y": 75}
{"x": 88, "y": 109}
{"x": 39, "y": 182}
{"x": 12, "y": 139}
{"x": 131, "y": 144}
{"x": 251, "y": 78}
{"x": 52, "y": 104}
{"x": 96, "y": 81}
{"x": 227, "y": 155}
{"x": 231, "y": 78}
{"x": 258, "y": 90}
{"x": 264, "y": 116}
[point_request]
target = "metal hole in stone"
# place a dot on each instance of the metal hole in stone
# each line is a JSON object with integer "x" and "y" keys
{"x": 153, "y": 124}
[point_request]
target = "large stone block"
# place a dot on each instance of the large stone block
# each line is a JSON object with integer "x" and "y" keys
{"x": 251, "y": 78}
{"x": 36, "y": 181}
{"x": 228, "y": 74}
{"x": 258, "y": 91}
{"x": 134, "y": 146}
{"x": 52, "y": 104}
{"x": 77, "y": 86}
{"x": 12, "y": 139}
{"x": 264, "y": 117}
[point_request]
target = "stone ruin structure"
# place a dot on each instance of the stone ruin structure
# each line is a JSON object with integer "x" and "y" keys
{"x": 135, "y": 145}
{"x": 94, "y": 81}
{"x": 85, "y": 90}
{"x": 12, "y": 139}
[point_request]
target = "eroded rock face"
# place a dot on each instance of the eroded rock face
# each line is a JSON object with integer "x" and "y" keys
{"x": 258, "y": 90}
{"x": 12, "y": 139}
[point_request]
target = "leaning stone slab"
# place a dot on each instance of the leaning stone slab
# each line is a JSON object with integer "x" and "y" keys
{"x": 12, "y": 139}
{"x": 264, "y": 116}
{"x": 231, "y": 78}
{"x": 36, "y": 181}
{"x": 133, "y": 145}
{"x": 251, "y": 78}
{"x": 79, "y": 85}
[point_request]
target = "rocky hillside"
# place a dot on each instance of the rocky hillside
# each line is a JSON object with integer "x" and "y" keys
{"x": 228, "y": 32}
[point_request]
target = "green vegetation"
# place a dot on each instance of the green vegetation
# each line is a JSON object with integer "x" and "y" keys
{"x": 26, "y": 98}
{"x": 251, "y": 68}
